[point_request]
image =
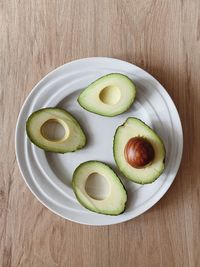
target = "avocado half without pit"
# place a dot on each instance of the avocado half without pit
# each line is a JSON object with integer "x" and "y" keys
{"x": 98, "y": 188}
{"x": 138, "y": 151}
{"x": 55, "y": 130}
{"x": 109, "y": 95}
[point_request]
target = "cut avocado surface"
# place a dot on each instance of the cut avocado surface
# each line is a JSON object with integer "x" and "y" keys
{"x": 135, "y": 139}
{"x": 98, "y": 188}
{"x": 109, "y": 95}
{"x": 73, "y": 136}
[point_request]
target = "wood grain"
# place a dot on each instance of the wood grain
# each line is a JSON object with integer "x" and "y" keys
{"x": 161, "y": 36}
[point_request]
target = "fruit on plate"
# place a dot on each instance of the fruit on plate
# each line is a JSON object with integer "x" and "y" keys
{"x": 109, "y": 95}
{"x": 138, "y": 151}
{"x": 42, "y": 122}
{"x": 98, "y": 188}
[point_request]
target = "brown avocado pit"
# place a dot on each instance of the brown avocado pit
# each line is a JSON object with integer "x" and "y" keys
{"x": 139, "y": 152}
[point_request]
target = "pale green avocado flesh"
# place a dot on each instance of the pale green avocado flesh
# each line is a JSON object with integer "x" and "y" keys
{"x": 109, "y": 95}
{"x": 134, "y": 127}
{"x": 110, "y": 203}
{"x": 72, "y": 140}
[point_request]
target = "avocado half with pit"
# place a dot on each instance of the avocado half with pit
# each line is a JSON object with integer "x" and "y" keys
{"x": 98, "y": 188}
{"x": 138, "y": 151}
{"x": 72, "y": 140}
{"x": 109, "y": 96}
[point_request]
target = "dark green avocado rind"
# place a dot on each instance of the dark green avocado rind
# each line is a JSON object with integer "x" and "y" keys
{"x": 83, "y": 204}
{"x": 127, "y": 176}
{"x": 45, "y": 148}
{"x": 117, "y": 113}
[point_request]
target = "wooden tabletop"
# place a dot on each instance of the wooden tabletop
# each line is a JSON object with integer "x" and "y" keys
{"x": 162, "y": 37}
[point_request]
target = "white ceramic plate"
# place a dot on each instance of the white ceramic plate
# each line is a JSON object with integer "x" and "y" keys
{"x": 48, "y": 175}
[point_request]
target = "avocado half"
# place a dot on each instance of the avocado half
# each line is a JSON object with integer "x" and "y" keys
{"x": 132, "y": 128}
{"x": 109, "y": 95}
{"x": 73, "y": 139}
{"x": 115, "y": 200}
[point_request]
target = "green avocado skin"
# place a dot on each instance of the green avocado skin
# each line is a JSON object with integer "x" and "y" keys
{"x": 46, "y": 148}
{"x": 83, "y": 203}
{"x": 119, "y": 167}
{"x": 126, "y": 107}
